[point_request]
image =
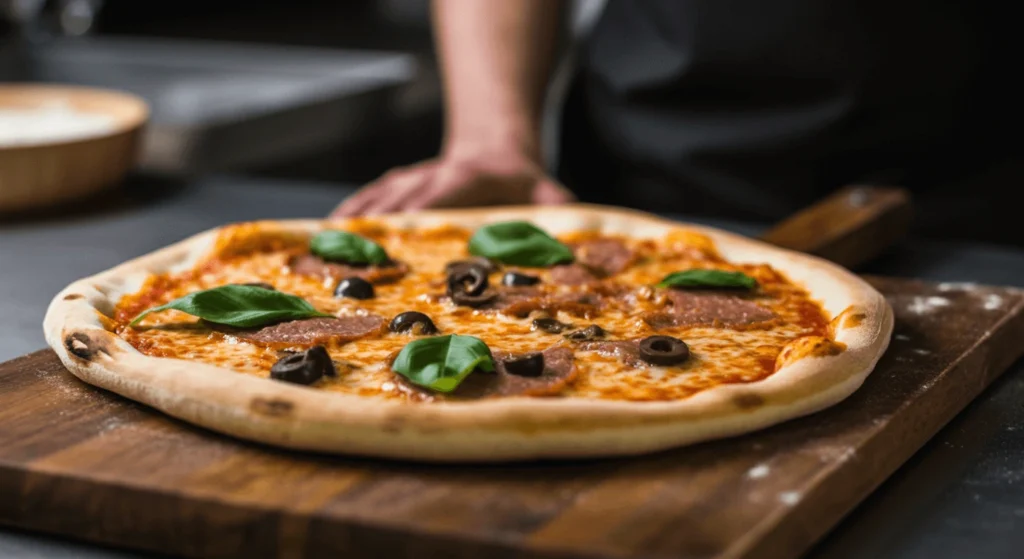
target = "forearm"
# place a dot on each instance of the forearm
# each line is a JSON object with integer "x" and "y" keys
{"x": 496, "y": 58}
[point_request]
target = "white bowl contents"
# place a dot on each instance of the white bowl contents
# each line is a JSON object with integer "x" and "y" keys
{"x": 50, "y": 122}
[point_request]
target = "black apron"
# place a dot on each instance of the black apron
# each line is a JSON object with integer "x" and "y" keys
{"x": 752, "y": 109}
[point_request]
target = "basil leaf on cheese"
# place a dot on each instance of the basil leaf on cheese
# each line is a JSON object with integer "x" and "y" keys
{"x": 702, "y": 279}
{"x": 342, "y": 246}
{"x": 241, "y": 306}
{"x": 441, "y": 362}
{"x": 520, "y": 244}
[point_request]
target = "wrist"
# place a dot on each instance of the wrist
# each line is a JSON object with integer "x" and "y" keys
{"x": 512, "y": 137}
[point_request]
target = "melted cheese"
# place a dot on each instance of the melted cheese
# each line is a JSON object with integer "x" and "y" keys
{"x": 246, "y": 253}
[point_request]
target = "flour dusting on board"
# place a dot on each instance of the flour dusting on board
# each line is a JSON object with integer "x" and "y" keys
{"x": 992, "y": 302}
{"x": 926, "y": 305}
{"x": 836, "y": 453}
{"x": 957, "y": 286}
{"x": 110, "y": 424}
{"x": 65, "y": 386}
{"x": 988, "y": 301}
{"x": 789, "y": 497}
{"x": 759, "y": 471}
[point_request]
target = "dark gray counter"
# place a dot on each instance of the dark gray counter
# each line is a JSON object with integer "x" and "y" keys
{"x": 960, "y": 496}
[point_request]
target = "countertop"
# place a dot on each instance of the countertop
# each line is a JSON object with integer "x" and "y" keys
{"x": 962, "y": 495}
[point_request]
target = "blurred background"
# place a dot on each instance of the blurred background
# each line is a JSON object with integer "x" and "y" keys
{"x": 341, "y": 91}
{"x": 314, "y": 89}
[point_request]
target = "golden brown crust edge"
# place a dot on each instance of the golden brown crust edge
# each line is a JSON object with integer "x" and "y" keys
{"x": 495, "y": 430}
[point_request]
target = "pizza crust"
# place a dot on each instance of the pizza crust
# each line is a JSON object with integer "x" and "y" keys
{"x": 506, "y": 429}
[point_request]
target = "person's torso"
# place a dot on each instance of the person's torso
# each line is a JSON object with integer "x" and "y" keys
{"x": 764, "y": 106}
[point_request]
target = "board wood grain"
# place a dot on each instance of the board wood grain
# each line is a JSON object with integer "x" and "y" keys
{"x": 82, "y": 462}
{"x": 849, "y": 227}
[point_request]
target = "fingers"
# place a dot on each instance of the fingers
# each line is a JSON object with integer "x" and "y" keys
{"x": 549, "y": 192}
{"x": 354, "y": 205}
{"x": 396, "y": 195}
{"x": 435, "y": 185}
{"x": 386, "y": 193}
{"x": 452, "y": 187}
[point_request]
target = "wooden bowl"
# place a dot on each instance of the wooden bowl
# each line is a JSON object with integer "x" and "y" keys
{"x": 33, "y": 175}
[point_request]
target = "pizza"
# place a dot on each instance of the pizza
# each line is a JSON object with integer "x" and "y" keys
{"x": 501, "y": 334}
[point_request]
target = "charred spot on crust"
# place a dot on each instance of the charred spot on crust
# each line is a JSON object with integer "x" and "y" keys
{"x": 74, "y": 296}
{"x": 827, "y": 347}
{"x": 84, "y": 346}
{"x": 748, "y": 401}
{"x": 272, "y": 407}
{"x": 393, "y": 424}
{"x": 854, "y": 320}
{"x": 851, "y": 317}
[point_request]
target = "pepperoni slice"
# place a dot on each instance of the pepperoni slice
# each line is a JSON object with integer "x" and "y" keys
{"x": 701, "y": 309}
{"x": 312, "y": 265}
{"x": 595, "y": 260}
{"x": 605, "y": 256}
{"x": 572, "y": 274}
{"x": 627, "y": 351}
{"x": 310, "y": 331}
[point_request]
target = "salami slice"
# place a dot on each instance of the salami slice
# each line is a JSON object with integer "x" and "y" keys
{"x": 310, "y": 331}
{"x": 699, "y": 309}
{"x": 312, "y": 265}
{"x": 627, "y": 351}
{"x": 604, "y": 256}
{"x": 572, "y": 274}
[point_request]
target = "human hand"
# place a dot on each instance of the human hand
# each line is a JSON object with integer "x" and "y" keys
{"x": 458, "y": 180}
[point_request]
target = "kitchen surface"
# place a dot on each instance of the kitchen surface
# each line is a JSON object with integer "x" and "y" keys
{"x": 263, "y": 113}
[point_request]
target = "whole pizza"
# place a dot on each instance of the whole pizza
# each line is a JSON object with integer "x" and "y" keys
{"x": 474, "y": 335}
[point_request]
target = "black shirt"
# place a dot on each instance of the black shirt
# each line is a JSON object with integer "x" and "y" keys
{"x": 753, "y": 108}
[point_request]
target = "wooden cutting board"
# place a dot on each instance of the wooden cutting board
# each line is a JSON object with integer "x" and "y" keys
{"x": 78, "y": 461}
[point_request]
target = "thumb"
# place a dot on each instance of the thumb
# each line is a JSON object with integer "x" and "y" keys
{"x": 549, "y": 192}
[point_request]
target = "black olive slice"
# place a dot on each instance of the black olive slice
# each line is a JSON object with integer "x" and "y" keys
{"x": 304, "y": 368}
{"x": 479, "y": 261}
{"x": 318, "y": 354}
{"x": 413, "y": 321}
{"x": 525, "y": 365}
{"x": 515, "y": 279}
{"x": 262, "y": 284}
{"x": 468, "y": 280}
{"x": 663, "y": 350}
{"x": 585, "y": 334}
{"x": 354, "y": 288}
{"x": 549, "y": 325}
{"x": 466, "y": 300}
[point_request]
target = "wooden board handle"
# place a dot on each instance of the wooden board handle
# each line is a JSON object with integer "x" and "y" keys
{"x": 849, "y": 227}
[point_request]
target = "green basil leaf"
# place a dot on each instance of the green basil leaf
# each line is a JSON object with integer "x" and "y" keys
{"x": 442, "y": 362}
{"x": 342, "y": 246}
{"x": 708, "y": 278}
{"x": 241, "y": 306}
{"x": 520, "y": 244}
